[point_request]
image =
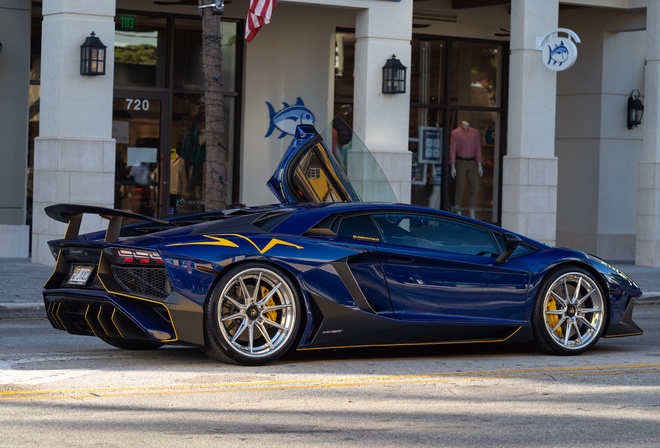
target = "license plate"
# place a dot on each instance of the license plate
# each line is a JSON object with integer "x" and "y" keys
{"x": 80, "y": 275}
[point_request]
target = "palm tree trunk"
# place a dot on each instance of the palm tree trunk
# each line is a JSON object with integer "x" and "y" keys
{"x": 216, "y": 169}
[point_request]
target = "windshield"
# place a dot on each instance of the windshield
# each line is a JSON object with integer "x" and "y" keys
{"x": 359, "y": 164}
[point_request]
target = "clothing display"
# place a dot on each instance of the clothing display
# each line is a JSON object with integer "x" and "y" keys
{"x": 464, "y": 144}
{"x": 465, "y": 159}
{"x": 177, "y": 176}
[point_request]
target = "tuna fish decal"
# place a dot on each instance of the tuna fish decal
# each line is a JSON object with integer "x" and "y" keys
{"x": 289, "y": 117}
{"x": 558, "y": 55}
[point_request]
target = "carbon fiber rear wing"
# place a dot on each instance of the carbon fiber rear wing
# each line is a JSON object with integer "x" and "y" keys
{"x": 72, "y": 215}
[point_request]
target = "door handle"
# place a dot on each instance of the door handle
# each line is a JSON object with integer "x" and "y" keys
{"x": 400, "y": 259}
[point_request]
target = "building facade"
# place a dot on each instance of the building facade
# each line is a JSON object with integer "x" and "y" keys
{"x": 557, "y": 159}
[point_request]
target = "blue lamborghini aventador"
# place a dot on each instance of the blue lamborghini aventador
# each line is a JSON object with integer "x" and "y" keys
{"x": 322, "y": 270}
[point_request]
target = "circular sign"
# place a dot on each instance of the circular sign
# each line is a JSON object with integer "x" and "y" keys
{"x": 559, "y": 53}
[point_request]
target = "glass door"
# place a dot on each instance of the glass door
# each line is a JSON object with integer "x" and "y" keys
{"x": 457, "y": 84}
{"x": 452, "y": 81}
{"x": 140, "y": 173}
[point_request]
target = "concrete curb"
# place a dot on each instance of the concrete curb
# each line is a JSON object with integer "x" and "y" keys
{"x": 649, "y": 298}
{"x": 22, "y": 310}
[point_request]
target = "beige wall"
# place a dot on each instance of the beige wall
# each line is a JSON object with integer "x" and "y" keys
{"x": 290, "y": 58}
{"x": 597, "y": 153}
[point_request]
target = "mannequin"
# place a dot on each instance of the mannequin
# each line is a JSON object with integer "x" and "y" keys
{"x": 177, "y": 179}
{"x": 465, "y": 161}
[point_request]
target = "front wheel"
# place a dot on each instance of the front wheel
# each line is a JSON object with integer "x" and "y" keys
{"x": 252, "y": 316}
{"x": 569, "y": 313}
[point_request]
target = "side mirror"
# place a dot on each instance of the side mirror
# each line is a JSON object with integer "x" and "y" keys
{"x": 512, "y": 243}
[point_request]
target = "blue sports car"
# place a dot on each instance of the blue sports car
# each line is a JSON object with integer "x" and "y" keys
{"x": 325, "y": 270}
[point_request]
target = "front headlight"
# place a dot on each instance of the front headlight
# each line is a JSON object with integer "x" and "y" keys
{"x": 604, "y": 263}
{"x": 612, "y": 268}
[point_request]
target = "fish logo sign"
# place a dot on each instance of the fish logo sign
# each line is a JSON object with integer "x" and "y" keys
{"x": 558, "y": 53}
{"x": 288, "y": 118}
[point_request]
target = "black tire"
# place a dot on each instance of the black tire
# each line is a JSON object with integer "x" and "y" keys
{"x": 252, "y": 316}
{"x": 569, "y": 313}
{"x": 133, "y": 345}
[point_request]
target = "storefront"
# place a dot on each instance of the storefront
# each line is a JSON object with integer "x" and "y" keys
{"x": 158, "y": 110}
{"x": 451, "y": 80}
{"x": 549, "y": 143}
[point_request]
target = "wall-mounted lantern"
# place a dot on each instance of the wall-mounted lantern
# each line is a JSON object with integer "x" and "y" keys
{"x": 92, "y": 56}
{"x": 635, "y": 110}
{"x": 394, "y": 76}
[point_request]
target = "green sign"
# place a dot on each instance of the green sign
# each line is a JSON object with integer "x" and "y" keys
{"x": 127, "y": 22}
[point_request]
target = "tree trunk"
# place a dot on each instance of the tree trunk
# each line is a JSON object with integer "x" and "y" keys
{"x": 217, "y": 180}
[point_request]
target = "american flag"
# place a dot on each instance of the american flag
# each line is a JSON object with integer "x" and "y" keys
{"x": 258, "y": 16}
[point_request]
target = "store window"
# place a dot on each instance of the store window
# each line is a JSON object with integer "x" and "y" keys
{"x": 188, "y": 55}
{"x": 141, "y": 51}
{"x": 34, "y": 98}
{"x": 159, "y": 113}
{"x": 344, "y": 75}
{"x": 451, "y": 81}
{"x": 188, "y": 118}
{"x": 136, "y": 128}
{"x": 158, "y": 94}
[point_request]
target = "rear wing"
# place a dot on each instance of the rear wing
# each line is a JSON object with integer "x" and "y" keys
{"x": 72, "y": 215}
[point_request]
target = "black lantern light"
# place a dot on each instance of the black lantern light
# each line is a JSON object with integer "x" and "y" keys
{"x": 394, "y": 76}
{"x": 635, "y": 110}
{"x": 92, "y": 56}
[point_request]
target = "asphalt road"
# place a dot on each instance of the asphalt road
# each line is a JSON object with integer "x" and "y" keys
{"x": 57, "y": 389}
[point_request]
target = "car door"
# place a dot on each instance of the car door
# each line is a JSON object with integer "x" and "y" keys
{"x": 310, "y": 172}
{"x": 361, "y": 272}
{"x": 443, "y": 269}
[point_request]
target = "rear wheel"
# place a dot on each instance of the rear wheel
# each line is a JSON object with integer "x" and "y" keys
{"x": 569, "y": 313}
{"x": 253, "y": 315}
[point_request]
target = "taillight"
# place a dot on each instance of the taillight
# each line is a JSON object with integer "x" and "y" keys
{"x": 54, "y": 251}
{"x": 134, "y": 256}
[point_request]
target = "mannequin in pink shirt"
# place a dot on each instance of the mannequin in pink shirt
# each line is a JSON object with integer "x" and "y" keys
{"x": 465, "y": 161}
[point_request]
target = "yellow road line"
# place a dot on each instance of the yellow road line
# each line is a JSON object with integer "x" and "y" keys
{"x": 328, "y": 382}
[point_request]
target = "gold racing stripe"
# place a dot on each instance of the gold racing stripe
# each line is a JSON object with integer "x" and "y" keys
{"x": 221, "y": 240}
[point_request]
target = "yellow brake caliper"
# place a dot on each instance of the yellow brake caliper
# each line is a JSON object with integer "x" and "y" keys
{"x": 553, "y": 319}
{"x": 270, "y": 315}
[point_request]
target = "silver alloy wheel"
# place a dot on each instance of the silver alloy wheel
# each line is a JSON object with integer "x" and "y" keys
{"x": 257, "y": 313}
{"x": 573, "y": 311}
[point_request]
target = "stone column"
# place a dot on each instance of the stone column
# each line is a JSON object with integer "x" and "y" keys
{"x": 74, "y": 159}
{"x": 14, "y": 72}
{"x": 380, "y": 119}
{"x": 529, "y": 191}
{"x": 647, "y": 252}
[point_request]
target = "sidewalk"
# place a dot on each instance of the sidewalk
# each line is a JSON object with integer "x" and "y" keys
{"x": 21, "y": 283}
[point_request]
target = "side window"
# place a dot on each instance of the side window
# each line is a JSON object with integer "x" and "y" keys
{"x": 359, "y": 228}
{"x": 430, "y": 232}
